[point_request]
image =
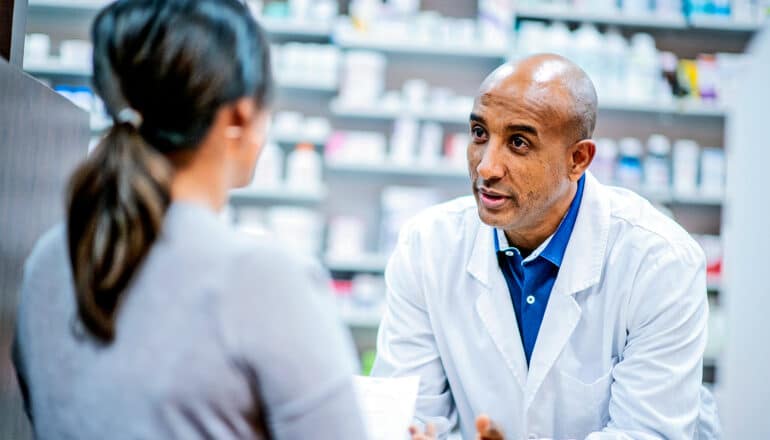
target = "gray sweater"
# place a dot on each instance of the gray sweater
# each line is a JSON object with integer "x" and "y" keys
{"x": 220, "y": 335}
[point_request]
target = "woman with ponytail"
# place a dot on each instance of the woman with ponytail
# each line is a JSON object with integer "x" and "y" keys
{"x": 144, "y": 315}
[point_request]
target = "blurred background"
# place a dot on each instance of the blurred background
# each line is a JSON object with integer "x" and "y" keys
{"x": 370, "y": 118}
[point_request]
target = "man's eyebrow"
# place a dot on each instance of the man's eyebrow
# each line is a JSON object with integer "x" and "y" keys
{"x": 510, "y": 127}
{"x": 522, "y": 127}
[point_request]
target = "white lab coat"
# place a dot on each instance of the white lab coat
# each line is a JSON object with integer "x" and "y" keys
{"x": 619, "y": 352}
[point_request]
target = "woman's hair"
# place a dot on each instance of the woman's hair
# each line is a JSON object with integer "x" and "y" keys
{"x": 163, "y": 68}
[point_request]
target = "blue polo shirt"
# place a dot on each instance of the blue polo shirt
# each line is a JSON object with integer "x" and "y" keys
{"x": 531, "y": 279}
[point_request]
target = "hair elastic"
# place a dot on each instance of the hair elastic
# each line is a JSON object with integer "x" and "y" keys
{"x": 129, "y": 116}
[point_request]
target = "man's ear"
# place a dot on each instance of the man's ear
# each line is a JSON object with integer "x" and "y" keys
{"x": 581, "y": 155}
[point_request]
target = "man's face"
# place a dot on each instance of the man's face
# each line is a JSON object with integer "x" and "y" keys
{"x": 518, "y": 156}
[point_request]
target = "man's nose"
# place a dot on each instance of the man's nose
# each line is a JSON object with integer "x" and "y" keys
{"x": 491, "y": 166}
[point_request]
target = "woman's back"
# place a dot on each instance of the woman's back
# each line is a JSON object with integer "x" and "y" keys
{"x": 218, "y": 336}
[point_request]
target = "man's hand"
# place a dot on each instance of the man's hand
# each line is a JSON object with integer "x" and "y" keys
{"x": 485, "y": 430}
{"x": 429, "y": 434}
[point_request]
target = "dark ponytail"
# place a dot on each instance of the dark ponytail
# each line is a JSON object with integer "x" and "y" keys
{"x": 118, "y": 198}
{"x": 169, "y": 65}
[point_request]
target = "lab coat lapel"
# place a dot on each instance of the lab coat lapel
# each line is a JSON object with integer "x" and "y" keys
{"x": 493, "y": 304}
{"x": 581, "y": 268}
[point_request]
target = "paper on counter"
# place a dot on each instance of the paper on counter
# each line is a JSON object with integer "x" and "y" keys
{"x": 388, "y": 405}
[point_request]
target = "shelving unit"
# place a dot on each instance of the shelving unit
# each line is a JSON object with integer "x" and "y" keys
{"x": 53, "y": 67}
{"x": 294, "y": 28}
{"x": 617, "y": 19}
{"x": 382, "y": 113}
{"x": 370, "y": 263}
{"x": 274, "y": 26}
{"x": 71, "y": 5}
{"x": 680, "y": 108}
{"x": 272, "y": 196}
{"x": 296, "y": 138}
{"x": 623, "y": 20}
{"x": 361, "y": 320}
{"x": 410, "y": 47}
{"x": 397, "y": 171}
{"x": 725, "y": 25}
{"x": 671, "y": 198}
{"x": 671, "y": 108}
{"x": 295, "y": 84}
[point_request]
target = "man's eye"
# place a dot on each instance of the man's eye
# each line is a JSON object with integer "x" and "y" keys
{"x": 478, "y": 132}
{"x": 518, "y": 142}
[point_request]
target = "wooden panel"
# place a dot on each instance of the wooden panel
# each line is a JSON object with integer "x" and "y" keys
{"x": 43, "y": 136}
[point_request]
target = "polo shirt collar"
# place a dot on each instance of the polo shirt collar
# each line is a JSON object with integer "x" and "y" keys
{"x": 554, "y": 247}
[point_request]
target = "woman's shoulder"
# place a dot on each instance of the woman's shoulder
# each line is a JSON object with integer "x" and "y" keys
{"x": 246, "y": 262}
{"x": 265, "y": 260}
{"x": 49, "y": 251}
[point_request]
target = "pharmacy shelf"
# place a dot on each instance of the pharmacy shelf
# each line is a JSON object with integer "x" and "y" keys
{"x": 714, "y": 286}
{"x": 54, "y": 67}
{"x": 724, "y": 24}
{"x": 671, "y": 198}
{"x": 71, "y": 5}
{"x": 697, "y": 199}
{"x": 282, "y": 196}
{"x": 305, "y": 85}
{"x": 383, "y": 113}
{"x": 361, "y": 319}
{"x": 297, "y": 138}
{"x": 351, "y": 41}
{"x": 637, "y": 21}
{"x": 689, "y": 109}
{"x": 683, "y": 108}
{"x": 372, "y": 263}
{"x": 617, "y": 18}
{"x": 296, "y": 28}
{"x": 395, "y": 170}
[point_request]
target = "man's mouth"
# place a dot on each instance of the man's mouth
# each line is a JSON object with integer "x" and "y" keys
{"x": 492, "y": 199}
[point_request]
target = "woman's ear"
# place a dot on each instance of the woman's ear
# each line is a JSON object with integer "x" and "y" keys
{"x": 244, "y": 111}
{"x": 247, "y": 124}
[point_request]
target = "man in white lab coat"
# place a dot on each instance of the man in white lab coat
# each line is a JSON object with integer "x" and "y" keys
{"x": 559, "y": 307}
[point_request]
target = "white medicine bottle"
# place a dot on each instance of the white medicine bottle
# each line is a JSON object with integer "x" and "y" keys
{"x": 629, "y": 172}
{"x": 303, "y": 168}
{"x": 657, "y": 164}
{"x": 604, "y": 163}
{"x": 269, "y": 167}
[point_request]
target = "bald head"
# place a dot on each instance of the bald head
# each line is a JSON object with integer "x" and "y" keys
{"x": 553, "y": 81}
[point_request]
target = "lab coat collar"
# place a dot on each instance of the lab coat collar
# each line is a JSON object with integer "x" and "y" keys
{"x": 584, "y": 257}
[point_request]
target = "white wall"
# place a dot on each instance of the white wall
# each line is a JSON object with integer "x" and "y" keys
{"x": 744, "y": 371}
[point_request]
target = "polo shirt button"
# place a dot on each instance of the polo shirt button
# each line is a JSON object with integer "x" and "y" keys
{"x": 530, "y": 300}
{"x": 509, "y": 253}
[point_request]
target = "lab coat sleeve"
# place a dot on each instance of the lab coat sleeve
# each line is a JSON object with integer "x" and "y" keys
{"x": 406, "y": 345}
{"x": 656, "y": 390}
